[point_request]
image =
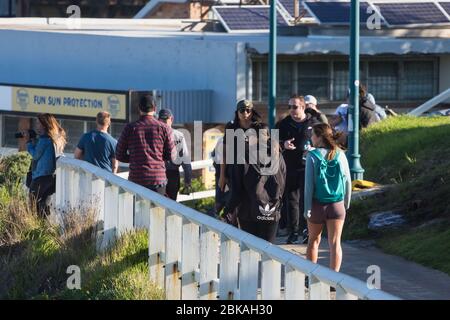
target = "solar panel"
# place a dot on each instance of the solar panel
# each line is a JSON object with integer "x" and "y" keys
{"x": 411, "y": 13}
{"x": 336, "y": 12}
{"x": 246, "y": 18}
{"x": 288, "y": 5}
{"x": 446, "y": 6}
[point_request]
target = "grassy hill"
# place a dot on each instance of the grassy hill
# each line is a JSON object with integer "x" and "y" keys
{"x": 413, "y": 154}
{"x": 35, "y": 255}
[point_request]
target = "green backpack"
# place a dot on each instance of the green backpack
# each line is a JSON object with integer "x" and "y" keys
{"x": 329, "y": 180}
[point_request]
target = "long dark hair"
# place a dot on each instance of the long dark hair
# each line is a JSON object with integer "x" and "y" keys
{"x": 53, "y": 130}
{"x": 329, "y": 138}
{"x": 256, "y": 118}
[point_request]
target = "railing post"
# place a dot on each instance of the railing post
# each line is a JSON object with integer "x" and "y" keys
{"x": 294, "y": 284}
{"x": 341, "y": 294}
{"x": 173, "y": 256}
{"x": 209, "y": 262}
{"x": 126, "y": 212}
{"x": 248, "y": 274}
{"x": 85, "y": 189}
{"x": 59, "y": 192}
{"x": 157, "y": 245}
{"x": 142, "y": 213}
{"x": 318, "y": 290}
{"x": 68, "y": 187}
{"x": 75, "y": 200}
{"x": 98, "y": 196}
{"x": 271, "y": 279}
{"x": 190, "y": 260}
{"x": 111, "y": 215}
{"x": 229, "y": 262}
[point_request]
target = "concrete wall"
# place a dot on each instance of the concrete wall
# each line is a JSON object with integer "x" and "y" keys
{"x": 444, "y": 73}
{"x": 122, "y": 63}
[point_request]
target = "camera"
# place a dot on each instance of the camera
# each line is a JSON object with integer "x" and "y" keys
{"x": 32, "y": 134}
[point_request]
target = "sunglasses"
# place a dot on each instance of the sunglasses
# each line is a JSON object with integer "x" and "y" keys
{"x": 242, "y": 110}
{"x": 292, "y": 106}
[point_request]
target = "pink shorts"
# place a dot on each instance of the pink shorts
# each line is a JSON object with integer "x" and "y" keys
{"x": 321, "y": 212}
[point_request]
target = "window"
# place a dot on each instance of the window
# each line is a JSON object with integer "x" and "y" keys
{"x": 74, "y": 130}
{"x": 419, "y": 79}
{"x": 387, "y": 78}
{"x": 10, "y": 127}
{"x": 116, "y": 129}
{"x": 383, "y": 80}
{"x": 313, "y": 79}
{"x": 90, "y": 125}
{"x": 284, "y": 80}
{"x": 261, "y": 81}
{"x": 341, "y": 79}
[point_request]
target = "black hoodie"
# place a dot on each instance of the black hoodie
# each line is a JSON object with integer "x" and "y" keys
{"x": 289, "y": 129}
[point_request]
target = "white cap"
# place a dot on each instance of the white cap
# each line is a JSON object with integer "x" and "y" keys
{"x": 310, "y": 99}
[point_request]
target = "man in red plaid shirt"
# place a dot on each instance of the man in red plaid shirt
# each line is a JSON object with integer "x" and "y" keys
{"x": 146, "y": 144}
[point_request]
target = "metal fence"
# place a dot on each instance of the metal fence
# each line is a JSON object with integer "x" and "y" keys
{"x": 194, "y": 256}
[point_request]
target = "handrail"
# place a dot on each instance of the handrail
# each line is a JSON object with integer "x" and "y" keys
{"x": 431, "y": 103}
{"x": 186, "y": 247}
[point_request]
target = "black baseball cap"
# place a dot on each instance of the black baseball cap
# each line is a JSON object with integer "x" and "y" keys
{"x": 165, "y": 114}
{"x": 244, "y": 104}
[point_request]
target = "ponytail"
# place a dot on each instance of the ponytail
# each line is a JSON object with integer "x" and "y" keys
{"x": 329, "y": 138}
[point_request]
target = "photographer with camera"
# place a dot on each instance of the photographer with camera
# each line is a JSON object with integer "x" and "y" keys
{"x": 44, "y": 150}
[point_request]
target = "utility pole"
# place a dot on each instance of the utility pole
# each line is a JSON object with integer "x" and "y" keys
{"x": 357, "y": 172}
{"x": 272, "y": 64}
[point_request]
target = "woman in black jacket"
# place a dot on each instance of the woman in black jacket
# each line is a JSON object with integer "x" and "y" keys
{"x": 257, "y": 186}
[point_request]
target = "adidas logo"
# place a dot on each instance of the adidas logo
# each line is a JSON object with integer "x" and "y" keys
{"x": 267, "y": 211}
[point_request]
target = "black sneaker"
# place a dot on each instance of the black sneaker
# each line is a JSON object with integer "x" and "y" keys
{"x": 293, "y": 238}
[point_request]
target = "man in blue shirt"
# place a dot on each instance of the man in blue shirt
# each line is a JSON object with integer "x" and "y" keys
{"x": 98, "y": 146}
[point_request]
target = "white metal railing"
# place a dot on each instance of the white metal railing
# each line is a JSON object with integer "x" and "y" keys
{"x": 443, "y": 96}
{"x": 196, "y": 165}
{"x": 187, "y": 247}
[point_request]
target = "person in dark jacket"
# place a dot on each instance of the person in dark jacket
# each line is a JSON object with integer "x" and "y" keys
{"x": 295, "y": 135}
{"x": 245, "y": 117}
{"x": 257, "y": 186}
{"x": 367, "y": 109}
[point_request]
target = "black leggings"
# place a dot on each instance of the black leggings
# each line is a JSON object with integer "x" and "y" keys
{"x": 40, "y": 189}
{"x": 263, "y": 230}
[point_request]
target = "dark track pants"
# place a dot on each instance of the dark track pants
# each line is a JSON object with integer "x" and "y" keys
{"x": 40, "y": 189}
{"x": 295, "y": 188}
{"x": 173, "y": 183}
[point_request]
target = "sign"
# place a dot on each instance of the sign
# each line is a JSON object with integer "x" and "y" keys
{"x": 210, "y": 139}
{"x": 75, "y": 103}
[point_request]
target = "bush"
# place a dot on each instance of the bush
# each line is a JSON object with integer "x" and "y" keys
{"x": 13, "y": 169}
{"x": 202, "y": 205}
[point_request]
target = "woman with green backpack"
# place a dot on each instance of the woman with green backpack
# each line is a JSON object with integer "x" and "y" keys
{"x": 327, "y": 193}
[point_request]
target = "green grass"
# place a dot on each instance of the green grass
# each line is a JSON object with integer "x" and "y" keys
{"x": 428, "y": 246}
{"x": 413, "y": 154}
{"x": 402, "y": 148}
{"x": 35, "y": 254}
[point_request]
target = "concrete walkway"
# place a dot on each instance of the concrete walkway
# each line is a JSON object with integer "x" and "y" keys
{"x": 405, "y": 279}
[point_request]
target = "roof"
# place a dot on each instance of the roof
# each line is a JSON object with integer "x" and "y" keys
{"x": 315, "y": 39}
